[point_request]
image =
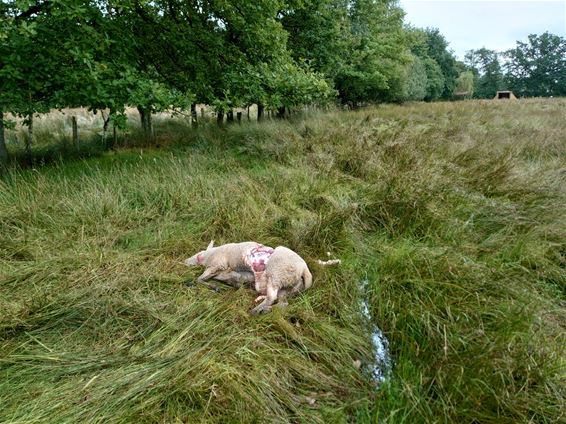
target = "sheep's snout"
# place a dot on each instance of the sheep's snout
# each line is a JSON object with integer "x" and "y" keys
{"x": 192, "y": 261}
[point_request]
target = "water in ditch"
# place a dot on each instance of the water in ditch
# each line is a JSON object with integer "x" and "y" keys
{"x": 380, "y": 367}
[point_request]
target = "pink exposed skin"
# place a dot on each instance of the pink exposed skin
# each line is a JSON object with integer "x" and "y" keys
{"x": 257, "y": 258}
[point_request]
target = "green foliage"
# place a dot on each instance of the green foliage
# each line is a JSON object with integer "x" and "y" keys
{"x": 439, "y": 63}
{"x": 377, "y": 55}
{"x": 489, "y": 76}
{"x": 465, "y": 84}
{"x": 538, "y": 67}
{"x": 318, "y": 33}
{"x": 435, "y": 79}
{"x": 359, "y": 45}
{"x": 437, "y": 49}
{"x": 417, "y": 80}
{"x": 154, "y": 55}
{"x": 290, "y": 86}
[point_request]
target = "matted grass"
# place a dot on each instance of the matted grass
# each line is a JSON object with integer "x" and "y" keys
{"x": 454, "y": 212}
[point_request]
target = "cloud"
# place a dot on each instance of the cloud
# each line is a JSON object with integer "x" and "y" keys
{"x": 495, "y": 25}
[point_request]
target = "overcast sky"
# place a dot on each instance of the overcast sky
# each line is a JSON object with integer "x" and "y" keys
{"x": 496, "y": 25}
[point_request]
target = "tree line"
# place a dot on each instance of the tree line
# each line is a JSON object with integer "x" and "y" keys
{"x": 173, "y": 54}
{"x": 535, "y": 68}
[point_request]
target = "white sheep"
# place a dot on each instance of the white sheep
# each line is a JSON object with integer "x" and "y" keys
{"x": 276, "y": 273}
{"x": 286, "y": 273}
{"x": 224, "y": 263}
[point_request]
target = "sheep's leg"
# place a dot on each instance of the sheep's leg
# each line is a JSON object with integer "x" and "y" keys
{"x": 260, "y": 282}
{"x": 265, "y": 306}
{"x": 235, "y": 279}
{"x": 208, "y": 274}
{"x": 282, "y": 298}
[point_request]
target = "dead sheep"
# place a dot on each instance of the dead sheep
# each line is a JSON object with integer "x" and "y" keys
{"x": 275, "y": 273}
{"x": 224, "y": 263}
{"x": 286, "y": 274}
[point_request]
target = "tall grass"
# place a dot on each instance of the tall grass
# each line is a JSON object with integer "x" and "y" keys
{"x": 454, "y": 212}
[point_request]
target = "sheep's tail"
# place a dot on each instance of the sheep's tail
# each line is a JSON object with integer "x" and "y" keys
{"x": 307, "y": 278}
{"x": 329, "y": 262}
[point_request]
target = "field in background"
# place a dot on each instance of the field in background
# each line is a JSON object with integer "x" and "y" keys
{"x": 52, "y": 132}
{"x": 454, "y": 212}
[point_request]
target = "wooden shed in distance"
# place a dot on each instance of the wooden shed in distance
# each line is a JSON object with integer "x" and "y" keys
{"x": 502, "y": 95}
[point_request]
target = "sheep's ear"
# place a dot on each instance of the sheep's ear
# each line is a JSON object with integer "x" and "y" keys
{"x": 210, "y": 245}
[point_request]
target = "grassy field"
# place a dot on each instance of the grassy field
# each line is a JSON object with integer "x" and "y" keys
{"x": 453, "y": 212}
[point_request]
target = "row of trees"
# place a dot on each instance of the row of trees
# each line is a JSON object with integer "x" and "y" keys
{"x": 433, "y": 70}
{"x": 167, "y": 54}
{"x": 278, "y": 54}
{"x": 533, "y": 68}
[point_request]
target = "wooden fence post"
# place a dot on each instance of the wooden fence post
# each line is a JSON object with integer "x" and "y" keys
{"x": 194, "y": 122}
{"x": 29, "y": 138}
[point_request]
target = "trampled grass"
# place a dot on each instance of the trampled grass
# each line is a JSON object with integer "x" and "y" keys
{"x": 454, "y": 212}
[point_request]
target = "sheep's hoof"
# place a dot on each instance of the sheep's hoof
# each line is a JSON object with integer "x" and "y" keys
{"x": 282, "y": 304}
{"x": 260, "y": 309}
{"x": 261, "y": 297}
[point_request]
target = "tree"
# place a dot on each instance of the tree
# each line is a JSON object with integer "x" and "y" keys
{"x": 416, "y": 81}
{"x": 318, "y": 33}
{"x": 154, "y": 55}
{"x": 487, "y": 71}
{"x": 437, "y": 49}
{"x": 538, "y": 67}
{"x": 29, "y": 72}
{"x": 439, "y": 64}
{"x": 377, "y": 53}
{"x": 359, "y": 45}
{"x": 465, "y": 84}
{"x": 436, "y": 83}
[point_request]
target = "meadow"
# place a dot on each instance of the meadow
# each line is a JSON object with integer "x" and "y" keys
{"x": 454, "y": 213}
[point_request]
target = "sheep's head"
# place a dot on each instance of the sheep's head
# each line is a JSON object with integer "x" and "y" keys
{"x": 200, "y": 258}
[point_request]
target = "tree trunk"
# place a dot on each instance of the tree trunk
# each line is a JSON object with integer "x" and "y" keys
{"x": 106, "y": 122}
{"x": 239, "y": 117}
{"x": 3, "y": 149}
{"x": 220, "y": 118}
{"x": 259, "y": 112}
{"x": 114, "y": 136}
{"x": 230, "y": 116}
{"x": 194, "y": 122}
{"x": 248, "y": 113}
{"x": 281, "y": 112}
{"x": 75, "y": 131}
{"x": 149, "y": 125}
{"x": 145, "y": 119}
{"x": 142, "y": 118}
{"x": 29, "y": 138}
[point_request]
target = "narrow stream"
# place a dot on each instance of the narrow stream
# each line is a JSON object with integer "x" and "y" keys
{"x": 381, "y": 367}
